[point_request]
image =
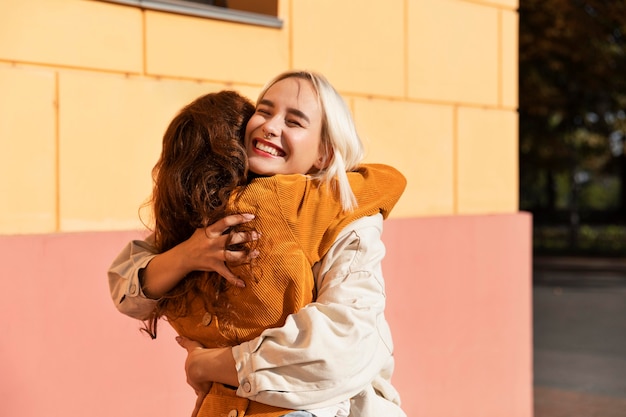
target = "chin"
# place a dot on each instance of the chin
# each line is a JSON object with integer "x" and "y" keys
{"x": 260, "y": 172}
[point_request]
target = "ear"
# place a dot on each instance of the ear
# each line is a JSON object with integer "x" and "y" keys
{"x": 324, "y": 159}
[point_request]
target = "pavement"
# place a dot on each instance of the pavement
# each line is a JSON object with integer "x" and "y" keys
{"x": 579, "y": 328}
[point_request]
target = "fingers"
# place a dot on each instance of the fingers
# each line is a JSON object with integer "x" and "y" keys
{"x": 229, "y": 276}
{"x": 208, "y": 249}
{"x": 244, "y": 237}
{"x": 220, "y": 226}
{"x": 188, "y": 343}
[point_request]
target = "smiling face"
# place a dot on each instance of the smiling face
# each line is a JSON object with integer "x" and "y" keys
{"x": 284, "y": 134}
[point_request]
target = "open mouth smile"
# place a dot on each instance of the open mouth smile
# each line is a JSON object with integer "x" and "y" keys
{"x": 268, "y": 148}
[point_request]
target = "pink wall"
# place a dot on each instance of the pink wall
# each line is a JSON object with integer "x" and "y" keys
{"x": 459, "y": 306}
{"x": 64, "y": 349}
{"x": 459, "y": 303}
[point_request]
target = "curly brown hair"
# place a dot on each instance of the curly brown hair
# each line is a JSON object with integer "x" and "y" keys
{"x": 202, "y": 161}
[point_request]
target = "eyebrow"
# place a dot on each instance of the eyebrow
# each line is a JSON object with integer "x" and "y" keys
{"x": 290, "y": 110}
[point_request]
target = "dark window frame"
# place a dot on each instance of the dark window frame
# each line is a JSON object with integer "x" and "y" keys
{"x": 191, "y": 8}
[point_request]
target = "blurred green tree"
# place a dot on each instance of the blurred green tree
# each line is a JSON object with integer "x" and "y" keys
{"x": 572, "y": 56}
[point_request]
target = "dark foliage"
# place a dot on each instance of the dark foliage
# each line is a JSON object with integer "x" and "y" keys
{"x": 573, "y": 112}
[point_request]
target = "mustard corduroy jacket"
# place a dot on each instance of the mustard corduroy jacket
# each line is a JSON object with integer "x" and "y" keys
{"x": 299, "y": 219}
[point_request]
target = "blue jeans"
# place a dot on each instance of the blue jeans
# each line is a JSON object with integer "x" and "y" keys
{"x": 299, "y": 414}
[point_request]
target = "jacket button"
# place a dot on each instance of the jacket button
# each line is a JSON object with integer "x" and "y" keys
{"x": 233, "y": 413}
{"x": 247, "y": 387}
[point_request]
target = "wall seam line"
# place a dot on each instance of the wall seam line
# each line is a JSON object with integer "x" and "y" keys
{"x": 455, "y": 160}
{"x": 406, "y": 48}
{"x": 500, "y": 59}
{"x": 290, "y": 34}
{"x": 144, "y": 42}
{"x": 57, "y": 157}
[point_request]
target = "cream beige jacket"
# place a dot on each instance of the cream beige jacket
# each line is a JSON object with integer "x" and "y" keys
{"x": 335, "y": 348}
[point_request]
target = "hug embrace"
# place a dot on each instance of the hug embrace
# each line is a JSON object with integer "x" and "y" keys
{"x": 265, "y": 255}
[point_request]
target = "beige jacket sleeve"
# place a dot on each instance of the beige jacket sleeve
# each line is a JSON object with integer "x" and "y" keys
{"x": 124, "y": 279}
{"x": 335, "y": 348}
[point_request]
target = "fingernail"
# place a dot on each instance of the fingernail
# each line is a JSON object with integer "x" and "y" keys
{"x": 248, "y": 216}
{"x": 179, "y": 339}
{"x": 254, "y": 253}
{"x": 241, "y": 284}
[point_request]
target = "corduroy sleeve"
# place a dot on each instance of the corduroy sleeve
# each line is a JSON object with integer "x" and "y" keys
{"x": 334, "y": 348}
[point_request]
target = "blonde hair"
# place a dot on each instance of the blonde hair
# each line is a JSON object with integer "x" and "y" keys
{"x": 341, "y": 146}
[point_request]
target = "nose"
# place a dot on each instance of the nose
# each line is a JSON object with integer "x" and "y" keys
{"x": 270, "y": 129}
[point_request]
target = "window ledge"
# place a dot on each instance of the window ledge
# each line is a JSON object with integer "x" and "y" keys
{"x": 202, "y": 10}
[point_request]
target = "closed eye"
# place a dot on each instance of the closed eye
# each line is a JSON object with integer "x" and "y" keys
{"x": 293, "y": 123}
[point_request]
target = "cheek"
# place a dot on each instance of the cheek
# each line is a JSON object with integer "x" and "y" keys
{"x": 246, "y": 138}
{"x": 314, "y": 144}
{"x": 254, "y": 122}
{"x": 248, "y": 135}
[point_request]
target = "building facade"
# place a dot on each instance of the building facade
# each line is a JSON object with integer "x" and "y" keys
{"x": 87, "y": 88}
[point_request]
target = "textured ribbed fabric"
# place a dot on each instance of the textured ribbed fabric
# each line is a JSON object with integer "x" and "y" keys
{"x": 299, "y": 219}
{"x": 223, "y": 402}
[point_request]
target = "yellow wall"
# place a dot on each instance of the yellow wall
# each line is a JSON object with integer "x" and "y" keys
{"x": 87, "y": 89}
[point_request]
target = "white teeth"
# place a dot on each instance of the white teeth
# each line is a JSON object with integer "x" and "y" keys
{"x": 267, "y": 149}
